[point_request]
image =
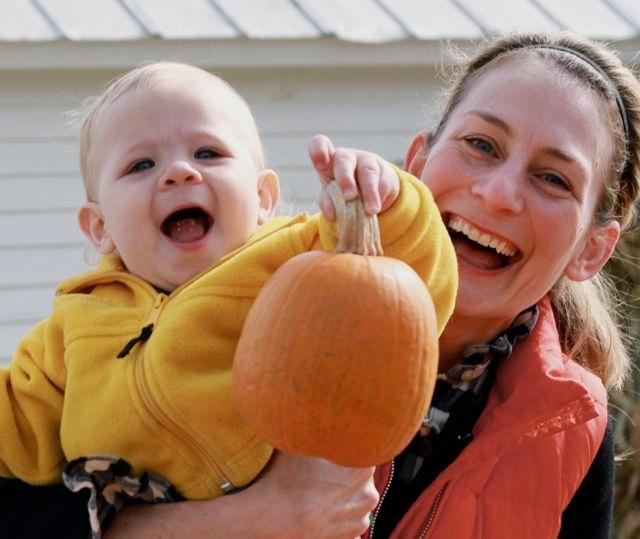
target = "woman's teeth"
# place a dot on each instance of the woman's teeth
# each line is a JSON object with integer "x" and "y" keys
{"x": 501, "y": 247}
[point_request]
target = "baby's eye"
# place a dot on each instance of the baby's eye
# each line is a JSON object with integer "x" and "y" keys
{"x": 206, "y": 153}
{"x": 141, "y": 166}
{"x": 481, "y": 144}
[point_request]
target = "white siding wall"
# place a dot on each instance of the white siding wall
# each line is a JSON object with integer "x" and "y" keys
{"x": 40, "y": 185}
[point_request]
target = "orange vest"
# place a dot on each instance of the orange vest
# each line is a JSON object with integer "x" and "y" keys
{"x": 533, "y": 444}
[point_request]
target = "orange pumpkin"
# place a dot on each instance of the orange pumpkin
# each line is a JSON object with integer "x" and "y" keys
{"x": 338, "y": 355}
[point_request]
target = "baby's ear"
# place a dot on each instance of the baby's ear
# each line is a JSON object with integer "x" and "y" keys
{"x": 92, "y": 224}
{"x": 268, "y": 194}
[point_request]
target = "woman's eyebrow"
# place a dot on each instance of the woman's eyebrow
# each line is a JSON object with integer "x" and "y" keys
{"x": 487, "y": 117}
{"x": 559, "y": 154}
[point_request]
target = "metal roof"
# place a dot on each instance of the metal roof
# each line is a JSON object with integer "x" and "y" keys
{"x": 356, "y": 21}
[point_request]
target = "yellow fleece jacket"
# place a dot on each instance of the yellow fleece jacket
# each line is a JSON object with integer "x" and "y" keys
{"x": 167, "y": 406}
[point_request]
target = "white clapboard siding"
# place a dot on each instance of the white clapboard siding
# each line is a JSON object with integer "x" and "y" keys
{"x": 37, "y": 156}
{"x": 40, "y": 244}
{"x": 40, "y": 266}
{"x": 48, "y": 192}
{"x": 10, "y": 335}
{"x": 28, "y": 230}
{"x": 30, "y": 304}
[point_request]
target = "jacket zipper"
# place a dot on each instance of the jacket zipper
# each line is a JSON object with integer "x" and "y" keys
{"x": 384, "y": 493}
{"x": 433, "y": 510}
{"x": 206, "y": 462}
{"x": 149, "y": 401}
{"x": 161, "y": 300}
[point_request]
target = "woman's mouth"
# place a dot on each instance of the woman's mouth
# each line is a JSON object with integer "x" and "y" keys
{"x": 480, "y": 248}
{"x": 187, "y": 225}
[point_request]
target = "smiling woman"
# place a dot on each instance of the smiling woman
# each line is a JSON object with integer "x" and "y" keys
{"x": 526, "y": 172}
{"x": 534, "y": 167}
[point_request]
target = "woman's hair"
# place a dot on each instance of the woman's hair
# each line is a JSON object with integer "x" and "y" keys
{"x": 585, "y": 311}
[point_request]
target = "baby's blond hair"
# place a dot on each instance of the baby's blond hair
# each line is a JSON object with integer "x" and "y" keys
{"x": 143, "y": 77}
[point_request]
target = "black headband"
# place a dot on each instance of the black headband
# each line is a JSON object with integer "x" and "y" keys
{"x": 594, "y": 65}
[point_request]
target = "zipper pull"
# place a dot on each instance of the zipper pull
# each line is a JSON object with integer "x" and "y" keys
{"x": 146, "y": 331}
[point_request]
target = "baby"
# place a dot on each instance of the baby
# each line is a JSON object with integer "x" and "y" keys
{"x": 135, "y": 359}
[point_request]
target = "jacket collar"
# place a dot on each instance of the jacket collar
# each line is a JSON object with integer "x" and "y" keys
{"x": 536, "y": 393}
{"x": 113, "y": 265}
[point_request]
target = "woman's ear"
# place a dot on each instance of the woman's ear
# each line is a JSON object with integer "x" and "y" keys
{"x": 268, "y": 194}
{"x": 417, "y": 154}
{"x": 92, "y": 224}
{"x": 595, "y": 253}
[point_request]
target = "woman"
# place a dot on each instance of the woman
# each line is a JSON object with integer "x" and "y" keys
{"x": 536, "y": 156}
{"x": 535, "y": 166}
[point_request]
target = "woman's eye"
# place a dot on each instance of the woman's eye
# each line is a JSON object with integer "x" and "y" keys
{"x": 142, "y": 165}
{"x": 556, "y": 181}
{"x": 481, "y": 144}
{"x": 206, "y": 153}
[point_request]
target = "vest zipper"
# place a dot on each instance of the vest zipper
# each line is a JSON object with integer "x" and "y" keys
{"x": 384, "y": 493}
{"x": 207, "y": 464}
{"x": 433, "y": 510}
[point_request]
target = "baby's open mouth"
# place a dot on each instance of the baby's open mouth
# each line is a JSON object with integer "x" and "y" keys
{"x": 187, "y": 225}
{"x": 480, "y": 248}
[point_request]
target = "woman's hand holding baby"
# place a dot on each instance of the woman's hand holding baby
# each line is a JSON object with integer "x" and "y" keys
{"x": 354, "y": 171}
{"x": 296, "y": 498}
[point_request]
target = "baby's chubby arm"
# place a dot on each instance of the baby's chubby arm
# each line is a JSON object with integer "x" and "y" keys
{"x": 31, "y": 400}
{"x": 353, "y": 171}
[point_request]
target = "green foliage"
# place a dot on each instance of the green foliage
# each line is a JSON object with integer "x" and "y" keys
{"x": 625, "y": 405}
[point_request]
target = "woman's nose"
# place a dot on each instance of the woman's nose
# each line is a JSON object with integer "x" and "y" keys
{"x": 179, "y": 173}
{"x": 501, "y": 190}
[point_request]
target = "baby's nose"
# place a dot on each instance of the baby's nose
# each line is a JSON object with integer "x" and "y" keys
{"x": 179, "y": 173}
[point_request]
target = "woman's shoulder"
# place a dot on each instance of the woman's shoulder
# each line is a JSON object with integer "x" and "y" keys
{"x": 538, "y": 365}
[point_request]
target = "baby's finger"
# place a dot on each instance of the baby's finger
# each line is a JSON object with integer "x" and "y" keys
{"x": 344, "y": 172}
{"x": 326, "y": 206}
{"x": 321, "y": 152}
{"x": 388, "y": 186}
{"x": 368, "y": 175}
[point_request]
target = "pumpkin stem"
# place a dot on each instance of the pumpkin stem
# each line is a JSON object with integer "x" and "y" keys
{"x": 358, "y": 232}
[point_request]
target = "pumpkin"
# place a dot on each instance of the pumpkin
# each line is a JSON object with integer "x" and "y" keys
{"x": 338, "y": 355}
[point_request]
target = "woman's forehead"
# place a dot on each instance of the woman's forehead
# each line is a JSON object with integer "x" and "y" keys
{"x": 536, "y": 99}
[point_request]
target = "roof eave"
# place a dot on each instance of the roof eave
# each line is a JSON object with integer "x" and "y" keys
{"x": 218, "y": 54}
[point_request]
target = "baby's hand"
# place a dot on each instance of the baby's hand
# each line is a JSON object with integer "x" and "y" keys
{"x": 353, "y": 171}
